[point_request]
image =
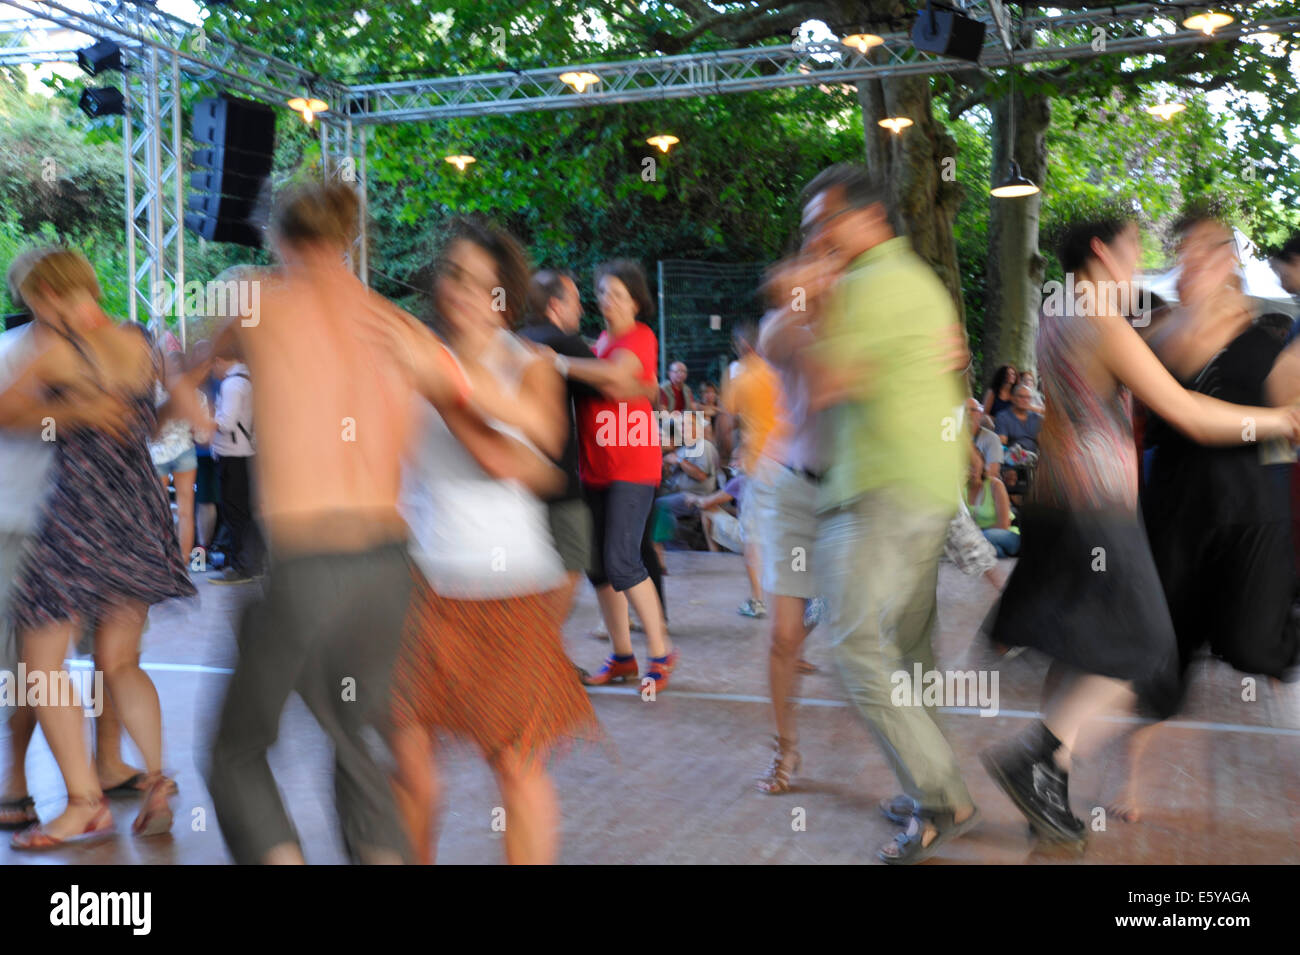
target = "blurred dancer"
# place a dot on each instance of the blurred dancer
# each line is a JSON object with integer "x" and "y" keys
{"x": 1219, "y": 519}
{"x": 234, "y": 452}
{"x": 483, "y": 658}
{"x": 174, "y": 455}
{"x": 25, "y": 463}
{"x": 888, "y": 386}
{"x": 620, "y": 465}
{"x": 752, "y": 400}
{"x": 329, "y": 624}
{"x": 1085, "y": 590}
{"x": 784, "y": 478}
{"x": 105, "y": 501}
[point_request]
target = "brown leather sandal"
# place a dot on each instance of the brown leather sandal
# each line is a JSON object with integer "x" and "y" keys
{"x": 155, "y": 818}
{"x": 100, "y": 826}
{"x": 18, "y": 813}
{"x": 785, "y": 763}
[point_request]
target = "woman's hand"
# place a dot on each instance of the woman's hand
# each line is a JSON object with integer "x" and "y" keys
{"x": 1275, "y": 423}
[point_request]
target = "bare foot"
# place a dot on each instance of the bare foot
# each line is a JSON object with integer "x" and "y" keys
{"x": 803, "y": 666}
{"x": 73, "y": 820}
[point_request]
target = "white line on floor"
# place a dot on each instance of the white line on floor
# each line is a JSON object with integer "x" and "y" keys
{"x": 803, "y": 701}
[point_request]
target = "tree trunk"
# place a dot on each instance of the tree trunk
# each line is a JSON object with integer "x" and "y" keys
{"x": 912, "y": 163}
{"x": 1015, "y": 267}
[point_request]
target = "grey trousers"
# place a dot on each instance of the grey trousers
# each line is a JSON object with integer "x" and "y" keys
{"x": 329, "y": 626}
{"x": 880, "y": 559}
{"x": 12, "y": 547}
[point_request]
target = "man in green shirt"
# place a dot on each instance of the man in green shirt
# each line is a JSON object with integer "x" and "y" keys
{"x": 883, "y": 372}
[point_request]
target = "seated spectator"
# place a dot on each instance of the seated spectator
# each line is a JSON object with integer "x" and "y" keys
{"x": 1018, "y": 426}
{"x": 998, "y": 398}
{"x": 1036, "y": 403}
{"x": 675, "y": 393}
{"x": 990, "y": 507}
{"x": 984, "y": 443}
{"x": 691, "y": 468}
{"x": 708, "y": 407}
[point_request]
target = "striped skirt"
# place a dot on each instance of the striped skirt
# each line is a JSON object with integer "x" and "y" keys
{"x": 490, "y": 672}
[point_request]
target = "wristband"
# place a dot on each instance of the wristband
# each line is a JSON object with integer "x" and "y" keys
{"x": 562, "y": 365}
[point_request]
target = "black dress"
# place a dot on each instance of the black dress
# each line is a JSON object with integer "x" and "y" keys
{"x": 1219, "y": 522}
{"x": 1085, "y": 591}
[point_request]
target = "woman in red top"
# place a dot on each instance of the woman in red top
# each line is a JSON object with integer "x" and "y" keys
{"x": 620, "y": 462}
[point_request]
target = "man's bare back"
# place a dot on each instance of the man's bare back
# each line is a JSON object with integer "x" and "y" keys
{"x": 333, "y": 410}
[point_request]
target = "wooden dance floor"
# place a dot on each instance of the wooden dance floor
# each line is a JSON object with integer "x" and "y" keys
{"x": 673, "y": 783}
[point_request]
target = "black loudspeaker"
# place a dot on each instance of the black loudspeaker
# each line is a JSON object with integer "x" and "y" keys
{"x": 102, "y": 101}
{"x": 234, "y": 173}
{"x": 948, "y": 32}
{"x": 100, "y": 58}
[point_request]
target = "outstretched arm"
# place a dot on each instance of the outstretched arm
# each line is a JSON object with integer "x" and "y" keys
{"x": 1204, "y": 419}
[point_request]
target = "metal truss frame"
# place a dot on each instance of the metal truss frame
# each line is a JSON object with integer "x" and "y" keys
{"x": 1125, "y": 29}
{"x": 162, "y": 51}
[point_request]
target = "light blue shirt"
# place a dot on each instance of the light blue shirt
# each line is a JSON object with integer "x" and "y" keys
{"x": 25, "y": 460}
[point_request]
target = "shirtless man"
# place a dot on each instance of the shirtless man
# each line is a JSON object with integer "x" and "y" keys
{"x": 337, "y": 372}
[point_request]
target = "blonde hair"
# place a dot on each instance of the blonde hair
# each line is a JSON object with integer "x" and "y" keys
{"x": 52, "y": 271}
{"x": 318, "y": 213}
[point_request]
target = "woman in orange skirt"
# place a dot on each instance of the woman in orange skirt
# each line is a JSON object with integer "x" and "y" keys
{"x": 483, "y": 659}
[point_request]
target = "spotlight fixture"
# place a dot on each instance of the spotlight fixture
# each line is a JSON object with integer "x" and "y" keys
{"x": 579, "y": 80}
{"x": 1207, "y": 21}
{"x": 1166, "y": 110}
{"x": 862, "y": 42}
{"x": 895, "y": 124}
{"x": 102, "y": 101}
{"x": 308, "y": 106}
{"x": 100, "y": 58}
{"x": 460, "y": 162}
{"x": 663, "y": 141}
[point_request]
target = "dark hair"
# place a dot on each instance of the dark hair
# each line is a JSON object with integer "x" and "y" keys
{"x": 1200, "y": 211}
{"x": 1000, "y": 379}
{"x": 1290, "y": 249}
{"x": 507, "y": 255}
{"x": 318, "y": 213}
{"x": 632, "y": 276}
{"x": 546, "y": 285}
{"x": 859, "y": 187}
{"x": 1075, "y": 247}
{"x": 1277, "y": 324}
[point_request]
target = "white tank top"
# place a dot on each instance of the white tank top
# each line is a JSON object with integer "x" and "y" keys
{"x": 475, "y": 537}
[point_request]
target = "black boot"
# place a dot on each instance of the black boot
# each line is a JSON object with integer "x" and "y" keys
{"x": 1025, "y": 771}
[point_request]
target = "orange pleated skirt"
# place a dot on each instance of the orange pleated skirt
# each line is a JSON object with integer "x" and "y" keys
{"x": 490, "y": 672}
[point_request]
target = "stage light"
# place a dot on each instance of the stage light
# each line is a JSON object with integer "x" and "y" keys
{"x": 579, "y": 81}
{"x": 100, "y": 58}
{"x": 308, "y": 106}
{"x": 1014, "y": 185}
{"x": 862, "y": 42}
{"x": 895, "y": 124}
{"x": 663, "y": 141}
{"x": 460, "y": 162}
{"x": 102, "y": 101}
{"x": 1207, "y": 21}
{"x": 1166, "y": 110}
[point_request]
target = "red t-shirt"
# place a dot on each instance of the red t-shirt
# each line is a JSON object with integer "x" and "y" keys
{"x": 619, "y": 440}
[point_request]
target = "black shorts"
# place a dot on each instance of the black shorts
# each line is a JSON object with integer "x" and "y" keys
{"x": 618, "y": 521}
{"x": 205, "y": 482}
